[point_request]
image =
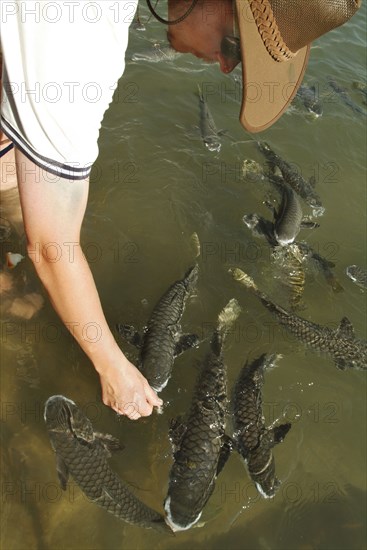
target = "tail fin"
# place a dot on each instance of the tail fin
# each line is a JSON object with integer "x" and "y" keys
{"x": 228, "y": 315}
{"x": 226, "y": 318}
{"x": 244, "y": 279}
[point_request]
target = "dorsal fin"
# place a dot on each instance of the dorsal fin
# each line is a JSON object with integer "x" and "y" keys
{"x": 346, "y": 328}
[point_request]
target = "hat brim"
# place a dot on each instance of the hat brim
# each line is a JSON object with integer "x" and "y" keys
{"x": 268, "y": 85}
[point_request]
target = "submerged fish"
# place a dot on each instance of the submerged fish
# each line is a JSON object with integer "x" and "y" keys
{"x": 162, "y": 340}
{"x": 261, "y": 227}
{"x": 253, "y": 440}
{"x": 83, "y": 453}
{"x": 343, "y": 94}
{"x": 340, "y": 344}
{"x": 208, "y": 129}
{"x": 201, "y": 447}
{"x": 291, "y": 263}
{"x": 156, "y": 53}
{"x": 309, "y": 97}
{"x": 294, "y": 179}
{"x": 322, "y": 264}
{"x": 358, "y": 275}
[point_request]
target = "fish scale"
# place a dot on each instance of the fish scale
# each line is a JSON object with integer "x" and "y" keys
{"x": 162, "y": 340}
{"x": 254, "y": 441}
{"x": 199, "y": 448}
{"x": 292, "y": 177}
{"x": 84, "y": 454}
{"x": 161, "y": 336}
{"x": 346, "y": 350}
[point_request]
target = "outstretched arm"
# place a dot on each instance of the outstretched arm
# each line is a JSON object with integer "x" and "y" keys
{"x": 53, "y": 210}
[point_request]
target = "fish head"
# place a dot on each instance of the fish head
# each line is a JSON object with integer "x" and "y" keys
{"x": 191, "y": 277}
{"x": 213, "y": 144}
{"x": 63, "y": 415}
{"x": 180, "y": 516}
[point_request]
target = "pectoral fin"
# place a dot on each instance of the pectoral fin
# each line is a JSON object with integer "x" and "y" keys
{"x": 279, "y": 432}
{"x": 62, "y": 472}
{"x": 176, "y": 432}
{"x": 185, "y": 342}
{"x": 130, "y": 334}
{"x": 109, "y": 442}
{"x": 307, "y": 224}
{"x": 346, "y": 328}
{"x": 227, "y": 447}
{"x": 272, "y": 208}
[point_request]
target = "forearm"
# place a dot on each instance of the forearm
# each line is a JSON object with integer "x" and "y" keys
{"x": 53, "y": 211}
{"x": 70, "y": 285}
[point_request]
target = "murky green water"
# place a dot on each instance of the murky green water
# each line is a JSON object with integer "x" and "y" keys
{"x": 154, "y": 185}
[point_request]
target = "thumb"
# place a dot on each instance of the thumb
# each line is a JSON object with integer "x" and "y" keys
{"x": 152, "y": 397}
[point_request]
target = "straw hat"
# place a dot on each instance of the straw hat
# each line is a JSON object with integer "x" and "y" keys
{"x": 275, "y": 38}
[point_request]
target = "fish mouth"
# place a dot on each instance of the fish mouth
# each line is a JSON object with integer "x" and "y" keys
{"x": 172, "y": 523}
{"x": 58, "y": 413}
{"x": 283, "y": 241}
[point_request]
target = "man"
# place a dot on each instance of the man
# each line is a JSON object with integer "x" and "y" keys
{"x": 62, "y": 63}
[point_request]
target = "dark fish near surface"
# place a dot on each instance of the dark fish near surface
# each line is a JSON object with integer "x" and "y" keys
{"x": 343, "y": 94}
{"x": 340, "y": 344}
{"x": 201, "y": 447}
{"x": 83, "y": 453}
{"x": 208, "y": 129}
{"x": 308, "y": 96}
{"x": 358, "y": 275}
{"x": 288, "y": 218}
{"x": 292, "y": 177}
{"x": 253, "y": 440}
{"x": 163, "y": 340}
{"x": 261, "y": 227}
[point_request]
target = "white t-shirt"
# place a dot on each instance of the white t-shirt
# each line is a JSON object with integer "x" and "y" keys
{"x": 62, "y": 61}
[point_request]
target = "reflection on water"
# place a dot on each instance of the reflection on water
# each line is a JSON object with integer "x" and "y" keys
{"x": 154, "y": 184}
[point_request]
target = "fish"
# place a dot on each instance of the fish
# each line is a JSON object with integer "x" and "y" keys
{"x": 156, "y": 54}
{"x": 340, "y": 344}
{"x": 308, "y": 96}
{"x": 288, "y": 219}
{"x": 323, "y": 265}
{"x": 162, "y": 340}
{"x": 301, "y": 251}
{"x": 294, "y": 179}
{"x": 358, "y": 275}
{"x": 209, "y": 132}
{"x": 293, "y": 277}
{"x": 83, "y": 453}
{"x": 344, "y": 96}
{"x": 201, "y": 446}
{"x": 252, "y": 439}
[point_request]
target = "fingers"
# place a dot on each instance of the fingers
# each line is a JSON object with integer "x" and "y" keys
{"x": 133, "y": 410}
{"x": 152, "y": 397}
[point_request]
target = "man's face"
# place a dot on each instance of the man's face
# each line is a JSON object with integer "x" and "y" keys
{"x": 201, "y": 33}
